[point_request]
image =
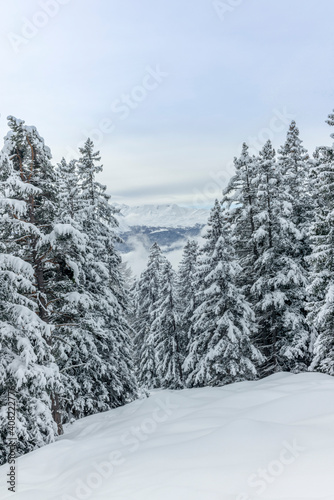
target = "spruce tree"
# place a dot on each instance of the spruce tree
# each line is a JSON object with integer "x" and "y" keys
{"x": 28, "y": 201}
{"x": 280, "y": 280}
{"x": 146, "y": 297}
{"x": 222, "y": 351}
{"x": 27, "y": 368}
{"x": 186, "y": 289}
{"x": 240, "y": 208}
{"x": 167, "y": 333}
{"x": 321, "y": 289}
{"x": 213, "y": 232}
{"x": 293, "y": 163}
{"x": 73, "y": 344}
{"x": 104, "y": 376}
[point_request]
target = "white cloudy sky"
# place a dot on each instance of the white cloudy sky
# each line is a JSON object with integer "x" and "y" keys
{"x": 230, "y": 78}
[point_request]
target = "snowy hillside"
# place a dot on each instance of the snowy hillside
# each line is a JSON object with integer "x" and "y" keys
{"x": 272, "y": 439}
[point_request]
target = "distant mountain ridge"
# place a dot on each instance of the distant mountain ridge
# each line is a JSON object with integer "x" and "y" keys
{"x": 160, "y": 216}
{"x": 168, "y": 225}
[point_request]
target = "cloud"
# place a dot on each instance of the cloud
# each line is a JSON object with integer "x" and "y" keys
{"x": 137, "y": 258}
{"x": 140, "y": 246}
{"x": 225, "y": 78}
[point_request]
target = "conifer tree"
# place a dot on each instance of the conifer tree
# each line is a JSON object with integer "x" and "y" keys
{"x": 167, "y": 333}
{"x": 104, "y": 376}
{"x": 293, "y": 163}
{"x": 321, "y": 289}
{"x": 280, "y": 284}
{"x": 146, "y": 297}
{"x": 222, "y": 351}
{"x": 27, "y": 369}
{"x": 28, "y": 200}
{"x": 213, "y": 232}
{"x": 73, "y": 346}
{"x": 186, "y": 288}
{"x": 240, "y": 208}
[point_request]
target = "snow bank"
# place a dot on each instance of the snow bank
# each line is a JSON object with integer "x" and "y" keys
{"x": 272, "y": 439}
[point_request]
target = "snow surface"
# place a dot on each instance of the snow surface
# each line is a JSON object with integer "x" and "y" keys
{"x": 271, "y": 439}
{"x": 160, "y": 216}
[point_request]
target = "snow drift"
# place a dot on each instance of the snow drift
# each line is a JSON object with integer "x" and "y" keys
{"x": 271, "y": 439}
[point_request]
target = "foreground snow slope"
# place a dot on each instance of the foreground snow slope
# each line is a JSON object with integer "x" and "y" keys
{"x": 271, "y": 439}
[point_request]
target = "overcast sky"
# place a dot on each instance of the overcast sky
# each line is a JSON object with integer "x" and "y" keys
{"x": 168, "y": 89}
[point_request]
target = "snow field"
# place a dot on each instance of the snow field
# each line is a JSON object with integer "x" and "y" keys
{"x": 271, "y": 439}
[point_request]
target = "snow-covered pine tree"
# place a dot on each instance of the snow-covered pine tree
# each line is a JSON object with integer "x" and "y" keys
{"x": 280, "y": 281}
{"x": 34, "y": 174}
{"x": 103, "y": 372}
{"x": 27, "y": 369}
{"x": 239, "y": 202}
{"x": 321, "y": 288}
{"x": 146, "y": 296}
{"x": 213, "y": 232}
{"x": 73, "y": 345}
{"x": 186, "y": 289}
{"x": 222, "y": 351}
{"x": 293, "y": 163}
{"x": 167, "y": 334}
{"x": 68, "y": 189}
{"x": 295, "y": 191}
{"x": 28, "y": 196}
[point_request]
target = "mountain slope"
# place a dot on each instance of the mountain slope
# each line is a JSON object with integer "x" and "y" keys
{"x": 168, "y": 225}
{"x": 160, "y": 216}
{"x": 271, "y": 439}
